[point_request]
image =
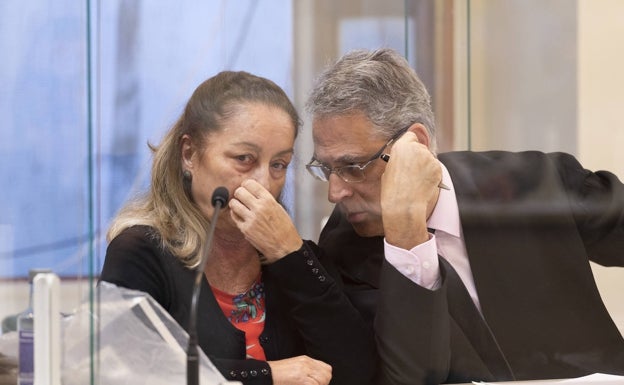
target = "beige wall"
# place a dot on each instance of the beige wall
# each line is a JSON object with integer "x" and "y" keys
{"x": 546, "y": 75}
{"x": 601, "y": 112}
{"x": 600, "y": 79}
{"x": 523, "y": 75}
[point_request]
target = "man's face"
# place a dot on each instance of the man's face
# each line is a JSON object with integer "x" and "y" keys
{"x": 348, "y": 140}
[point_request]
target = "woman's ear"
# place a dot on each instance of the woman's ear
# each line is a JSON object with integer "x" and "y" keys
{"x": 188, "y": 152}
{"x": 421, "y": 133}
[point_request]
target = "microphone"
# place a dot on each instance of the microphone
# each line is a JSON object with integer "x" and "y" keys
{"x": 219, "y": 199}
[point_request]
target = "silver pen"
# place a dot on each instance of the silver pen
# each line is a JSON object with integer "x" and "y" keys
{"x": 386, "y": 158}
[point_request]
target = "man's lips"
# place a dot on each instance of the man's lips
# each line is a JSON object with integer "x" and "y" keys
{"x": 356, "y": 217}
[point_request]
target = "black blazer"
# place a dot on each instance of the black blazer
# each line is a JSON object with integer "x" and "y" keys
{"x": 306, "y": 310}
{"x": 531, "y": 222}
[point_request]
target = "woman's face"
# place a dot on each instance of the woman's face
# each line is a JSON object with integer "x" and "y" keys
{"x": 256, "y": 143}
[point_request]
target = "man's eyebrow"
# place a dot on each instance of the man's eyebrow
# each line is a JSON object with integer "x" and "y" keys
{"x": 350, "y": 158}
{"x": 343, "y": 159}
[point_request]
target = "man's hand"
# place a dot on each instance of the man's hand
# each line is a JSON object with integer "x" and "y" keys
{"x": 300, "y": 370}
{"x": 263, "y": 221}
{"x": 409, "y": 191}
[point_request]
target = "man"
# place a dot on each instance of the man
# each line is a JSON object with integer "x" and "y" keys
{"x": 474, "y": 266}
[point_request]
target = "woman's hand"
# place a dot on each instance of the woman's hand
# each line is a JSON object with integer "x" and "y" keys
{"x": 263, "y": 221}
{"x": 300, "y": 370}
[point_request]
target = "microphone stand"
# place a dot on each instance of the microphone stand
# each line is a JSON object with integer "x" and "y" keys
{"x": 219, "y": 198}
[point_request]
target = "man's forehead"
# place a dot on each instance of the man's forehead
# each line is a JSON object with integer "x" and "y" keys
{"x": 341, "y": 145}
{"x": 340, "y": 128}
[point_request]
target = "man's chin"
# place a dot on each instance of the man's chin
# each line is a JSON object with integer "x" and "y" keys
{"x": 367, "y": 230}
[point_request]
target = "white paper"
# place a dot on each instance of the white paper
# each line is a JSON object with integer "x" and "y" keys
{"x": 593, "y": 379}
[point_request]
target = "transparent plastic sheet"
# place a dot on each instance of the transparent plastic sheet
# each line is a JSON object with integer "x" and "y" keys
{"x": 136, "y": 341}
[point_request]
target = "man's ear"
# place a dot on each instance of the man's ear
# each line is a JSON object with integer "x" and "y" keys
{"x": 188, "y": 152}
{"x": 421, "y": 133}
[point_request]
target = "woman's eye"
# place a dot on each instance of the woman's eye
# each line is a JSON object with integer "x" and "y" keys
{"x": 280, "y": 165}
{"x": 246, "y": 158}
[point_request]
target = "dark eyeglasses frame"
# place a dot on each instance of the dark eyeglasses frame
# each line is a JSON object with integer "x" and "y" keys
{"x": 327, "y": 171}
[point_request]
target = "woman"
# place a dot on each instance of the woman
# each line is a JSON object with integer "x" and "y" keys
{"x": 269, "y": 311}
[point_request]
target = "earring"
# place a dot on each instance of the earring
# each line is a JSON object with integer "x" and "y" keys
{"x": 187, "y": 181}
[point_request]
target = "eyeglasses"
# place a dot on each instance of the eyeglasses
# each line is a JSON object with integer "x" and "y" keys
{"x": 352, "y": 173}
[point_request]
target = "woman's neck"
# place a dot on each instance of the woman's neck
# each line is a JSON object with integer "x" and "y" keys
{"x": 233, "y": 264}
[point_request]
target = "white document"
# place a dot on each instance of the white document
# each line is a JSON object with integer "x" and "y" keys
{"x": 592, "y": 379}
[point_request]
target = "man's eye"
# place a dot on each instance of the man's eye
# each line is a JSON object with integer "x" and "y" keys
{"x": 351, "y": 170}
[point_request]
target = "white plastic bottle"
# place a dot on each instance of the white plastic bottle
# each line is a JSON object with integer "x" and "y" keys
{"x": 25, "y": 330}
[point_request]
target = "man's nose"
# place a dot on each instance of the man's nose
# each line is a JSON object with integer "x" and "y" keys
{"x": 338, "y": 189}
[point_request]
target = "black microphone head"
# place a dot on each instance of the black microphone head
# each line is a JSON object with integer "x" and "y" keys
{"x": 220, "y": 195}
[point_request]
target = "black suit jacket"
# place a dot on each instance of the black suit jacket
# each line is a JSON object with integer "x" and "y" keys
{"x": 306, "y": 310}
{"x": 531, "y": 223}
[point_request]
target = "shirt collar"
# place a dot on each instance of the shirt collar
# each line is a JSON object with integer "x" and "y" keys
{"x": 445, "y": 215}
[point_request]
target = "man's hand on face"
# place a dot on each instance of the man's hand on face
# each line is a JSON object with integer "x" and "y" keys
{"x": 409, "y": 191}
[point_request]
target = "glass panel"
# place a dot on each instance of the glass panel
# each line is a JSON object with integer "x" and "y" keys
{"x": 513, "y": 75}
{"x": 74, "y": 139}
{"x": 422, "y": 30}
{"x": 43, "y": 147}
{"x": 44, "y": 153}
{"x": 547, "y": 76}
{"x": 151, "y": 57}
{"x": 324, "y": 30}
{"x": 46, "y": 213}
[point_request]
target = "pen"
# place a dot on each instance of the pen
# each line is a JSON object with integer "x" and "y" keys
{"x": 386, "y": 158}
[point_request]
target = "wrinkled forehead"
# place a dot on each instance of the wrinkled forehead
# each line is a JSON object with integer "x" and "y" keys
{"x": 345, "y": 138}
